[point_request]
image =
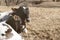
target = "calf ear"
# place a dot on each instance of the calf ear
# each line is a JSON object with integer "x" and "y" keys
{"x": 14, "y": 9}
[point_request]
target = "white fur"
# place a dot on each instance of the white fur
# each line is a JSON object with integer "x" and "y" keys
{"x": 5, "y": 15}
{"x": 25, "y": 30}
{"x": 24, "y": 7}
{"x": 15, "y": 35}
{"x": 2, "y": 30}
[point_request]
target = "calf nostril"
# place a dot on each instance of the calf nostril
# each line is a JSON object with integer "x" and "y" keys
{"x": 2, "y": 34}
{"x": 28, "y": 20}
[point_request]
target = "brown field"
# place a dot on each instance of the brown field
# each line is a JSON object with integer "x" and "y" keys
{"x": 44, "y": 24}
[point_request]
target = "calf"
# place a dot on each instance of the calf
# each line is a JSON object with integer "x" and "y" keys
{"x": 19, "y": 18}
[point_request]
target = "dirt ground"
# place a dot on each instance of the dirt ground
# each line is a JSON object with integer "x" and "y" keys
{"x": 44, "y": 23}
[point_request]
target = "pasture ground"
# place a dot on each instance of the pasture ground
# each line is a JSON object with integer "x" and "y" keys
{"x": 44, "y": 24}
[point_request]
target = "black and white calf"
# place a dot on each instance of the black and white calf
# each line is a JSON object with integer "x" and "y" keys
{"x": 19, "y": 18}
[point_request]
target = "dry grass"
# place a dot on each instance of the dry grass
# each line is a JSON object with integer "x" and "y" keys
{"x": 7, "y": 8}
{"x": 44, "y": 25}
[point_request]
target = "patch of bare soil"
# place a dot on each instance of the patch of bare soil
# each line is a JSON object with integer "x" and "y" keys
{"x": 44, "y": 25}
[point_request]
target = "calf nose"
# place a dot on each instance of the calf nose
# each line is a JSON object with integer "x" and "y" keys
{"x": 28, "y": 20}
{"x": 8, "y": 31}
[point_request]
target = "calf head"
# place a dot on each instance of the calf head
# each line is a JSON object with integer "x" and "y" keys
{"x": 22, "y": 12}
